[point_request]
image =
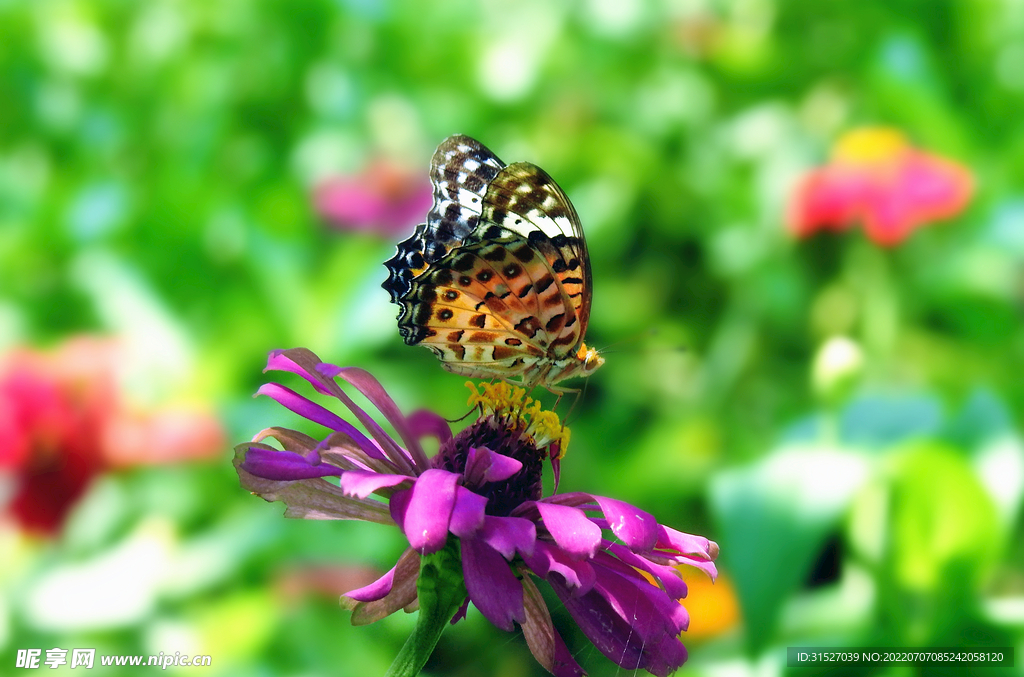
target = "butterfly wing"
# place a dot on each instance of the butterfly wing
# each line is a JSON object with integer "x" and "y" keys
{"x": 497, "y": 282}
{"x": 524, "y": 199}
{"x": 460, "y": 171}
{"x": 477, "y": 308}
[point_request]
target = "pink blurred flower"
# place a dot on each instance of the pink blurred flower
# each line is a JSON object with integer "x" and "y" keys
{"x": 64, "y": 421}
{"x": 876, "y": 177}
{"x": 384, "y": 198}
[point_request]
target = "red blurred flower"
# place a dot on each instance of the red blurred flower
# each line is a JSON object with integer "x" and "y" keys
{"x": 384, "y": 198}
{"x": 875, "y": 176}
{"x": 63, "y": 422}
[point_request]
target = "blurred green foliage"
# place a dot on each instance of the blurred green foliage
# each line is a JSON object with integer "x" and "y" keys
{"x": 156, "y": 165}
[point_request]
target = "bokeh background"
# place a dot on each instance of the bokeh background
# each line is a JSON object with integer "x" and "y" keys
{"x": 186, "y": 185}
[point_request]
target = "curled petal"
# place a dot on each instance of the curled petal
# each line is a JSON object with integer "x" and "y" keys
{"x": 371, "y": 388}
{"x": 305, "y": 363}
{"x": 291, "y": 440}
{"x": 301, "y": 361}
{"x": 314, "y": 498}
{"x": 283, "y": 465}
{"x": 571, "y": 529}
{"x": 544, "y": 641}
{"x": 423, "y": 423}
{"x": 484, "y": 465}
{"x": 430, "y": 510}
{"x": 491, "y": 585}
{"x": 362, "y": 483}
{"x": 398, "y": 592}
{"x": 374, "y": 591}
{"x": 686, "y": 544}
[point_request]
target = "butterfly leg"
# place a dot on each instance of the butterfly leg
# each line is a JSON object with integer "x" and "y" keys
{"x": 561, "y": 392}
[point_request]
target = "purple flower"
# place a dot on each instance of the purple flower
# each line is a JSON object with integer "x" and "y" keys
{"x": 611, "y": 564}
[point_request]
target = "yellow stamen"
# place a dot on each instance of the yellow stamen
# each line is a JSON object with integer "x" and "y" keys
{"x": 869, "y": 145}
{"x": 512, "y": 403}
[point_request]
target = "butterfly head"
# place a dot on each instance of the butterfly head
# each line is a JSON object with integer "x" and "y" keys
{"x": 589, "y": 358}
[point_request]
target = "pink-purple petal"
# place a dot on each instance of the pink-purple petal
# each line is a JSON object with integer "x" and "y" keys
{"x": 501, "y": 468}
{"x": 484, "y": 465}
{"x": 687, "y": 544}
{"x": 491, "y": 585}
{"x": 430, "y": 510}
{"x": 629, "y": 623}
{"x": 398, "y": 505}
{"x": 468, "y": 513}
{"x": 634, "y": 527}
{"x": 461, "y": 613}
{"x": 571, "y": 529}
{"x": 423, "y": 423}
{"x": 665, "y": 657}
{"x": 548, "y": 559}
{"x": 401, "y": 595}
{"x": 362, "y": 483}
{"x": 371, "y": 388}
{"x": 292, "y": 401}
{"x": 301, "y": 361}
{"x": 666, "y": 575}
{"x": 509, "y": 535}
{"x": 284, "y": 465}
{"x": 374, "y": 591}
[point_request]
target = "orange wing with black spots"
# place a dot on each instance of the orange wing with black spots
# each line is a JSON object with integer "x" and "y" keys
{"x": 512, "y": 297}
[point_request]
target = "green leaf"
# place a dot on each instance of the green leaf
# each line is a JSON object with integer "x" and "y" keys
{"x": 941, "y": 518}
{"x": 774, "y": 517}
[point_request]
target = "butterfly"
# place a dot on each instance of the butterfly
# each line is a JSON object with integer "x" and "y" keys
{"x": 497, "y": 282}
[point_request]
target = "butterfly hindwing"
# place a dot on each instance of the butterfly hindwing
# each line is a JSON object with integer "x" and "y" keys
{"x": 492, "y": 307}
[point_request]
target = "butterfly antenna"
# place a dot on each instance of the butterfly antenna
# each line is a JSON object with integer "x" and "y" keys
{"x": 460, "y": 418}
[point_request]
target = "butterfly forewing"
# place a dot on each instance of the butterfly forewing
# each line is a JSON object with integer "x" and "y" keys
{"x": 460, "y": 171}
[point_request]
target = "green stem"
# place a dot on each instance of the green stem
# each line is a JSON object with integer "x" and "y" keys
{"x": 441, "y": 591}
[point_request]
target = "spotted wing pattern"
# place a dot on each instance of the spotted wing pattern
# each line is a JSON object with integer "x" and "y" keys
{"x": 510, "y": 297}
{"x": 461, "y": 170}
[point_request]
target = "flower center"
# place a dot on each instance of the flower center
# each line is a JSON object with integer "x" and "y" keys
{"x": 511, "y": 402}
{"x": 514, "y": 425}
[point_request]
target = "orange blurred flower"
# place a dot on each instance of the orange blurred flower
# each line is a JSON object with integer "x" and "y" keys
{"x": 876, "y": 177}
{"x": 713, "y": 606}
{"x": 64, "y": 421}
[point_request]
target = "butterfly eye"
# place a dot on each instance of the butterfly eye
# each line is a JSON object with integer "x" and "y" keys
{"x": 512, "y": 270}
{"x": 444, "y": 314}
{"x": 465, "y": 280}
{"x": 484, "y": 275}
{"x": 451, "y": 295}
